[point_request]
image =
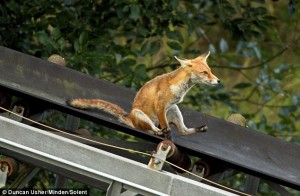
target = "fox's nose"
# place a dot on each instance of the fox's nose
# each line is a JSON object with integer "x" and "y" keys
{"x": 219, "y": 81}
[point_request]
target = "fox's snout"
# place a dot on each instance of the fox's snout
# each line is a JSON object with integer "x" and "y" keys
{"x": 214, "y": 81}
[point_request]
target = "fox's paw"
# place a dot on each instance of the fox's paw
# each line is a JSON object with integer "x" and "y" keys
{"x": 158, "y": 133}
{"x": 166, "y": 130}
{"x": 202, "y": 128}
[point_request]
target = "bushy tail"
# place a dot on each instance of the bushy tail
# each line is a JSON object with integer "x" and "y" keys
{"x": 100, "y": 104}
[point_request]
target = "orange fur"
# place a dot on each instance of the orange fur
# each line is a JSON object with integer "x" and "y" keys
{"x": 155, "y": 103}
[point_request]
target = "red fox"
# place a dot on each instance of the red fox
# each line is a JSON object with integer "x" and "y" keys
{"x": 154, "y": 105}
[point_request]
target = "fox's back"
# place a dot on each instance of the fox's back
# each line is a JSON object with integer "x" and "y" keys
{"x": 152, "y": 92}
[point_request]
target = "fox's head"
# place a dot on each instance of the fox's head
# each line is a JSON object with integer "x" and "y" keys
{"x": 199, "y": 70}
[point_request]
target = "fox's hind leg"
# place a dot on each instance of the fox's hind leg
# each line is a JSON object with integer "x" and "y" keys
{"x": 142, "y": 121}
{"x": 174, "y": 116}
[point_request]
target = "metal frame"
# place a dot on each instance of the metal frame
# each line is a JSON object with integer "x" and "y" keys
{"x": 94, "y": 163}
{"x": 231, "y": 146}
{"x": 238, "y": 147}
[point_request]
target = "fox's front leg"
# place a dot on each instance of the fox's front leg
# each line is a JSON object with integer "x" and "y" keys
{"x": 163, "y": 122}
{"x": 174, "y": 116}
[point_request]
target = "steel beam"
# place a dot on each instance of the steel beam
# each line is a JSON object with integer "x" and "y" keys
{"x": 94, "y": 163}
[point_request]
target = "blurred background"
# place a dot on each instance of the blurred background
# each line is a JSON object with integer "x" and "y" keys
{"x": 254, "y": 46}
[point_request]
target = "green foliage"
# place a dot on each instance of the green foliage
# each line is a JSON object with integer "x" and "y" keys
{"x": 254, "y": 45}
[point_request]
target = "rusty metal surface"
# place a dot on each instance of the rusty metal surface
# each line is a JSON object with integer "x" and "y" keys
{"x": 239, "y": 147}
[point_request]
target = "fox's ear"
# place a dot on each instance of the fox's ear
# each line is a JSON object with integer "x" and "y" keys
{"x": 183, "y": 62}
{"x": 205, "y": 55}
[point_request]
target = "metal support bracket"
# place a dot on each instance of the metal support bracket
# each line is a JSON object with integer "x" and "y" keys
{"x": 198, "y": 170}
{"x": 115, "y": 188}
{"x": 251, "y": 184}
{"x": 157, "y": 161}
{"x": 18, "y": 110}
{"x": 3, "y": 174}
{"x": 72, "y": 123}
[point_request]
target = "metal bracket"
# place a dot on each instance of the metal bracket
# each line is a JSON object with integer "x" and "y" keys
{"x": 157, "y": 161}
{"x": 115, "y": 188}
{"x": 251, "y": 184}
{"x": 72, "y": 123}
{"x": 199, "y": 168}
{"x": 3, "y": 174}
{"x": 25, "y": 175}
{"x": 18, "y": 110}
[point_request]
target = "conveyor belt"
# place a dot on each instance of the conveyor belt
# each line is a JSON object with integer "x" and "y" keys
{"x": 237, "y": 147}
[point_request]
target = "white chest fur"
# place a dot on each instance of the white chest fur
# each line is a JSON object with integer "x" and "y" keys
{"x": 179, "y": 90}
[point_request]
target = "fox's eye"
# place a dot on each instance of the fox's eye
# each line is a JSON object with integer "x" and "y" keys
{"x": 205, "y": 72}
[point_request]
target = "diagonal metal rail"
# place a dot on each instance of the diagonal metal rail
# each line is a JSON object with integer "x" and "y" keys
{"x": 96, "y": 164}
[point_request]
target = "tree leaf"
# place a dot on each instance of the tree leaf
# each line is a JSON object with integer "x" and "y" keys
{"x": 142, "y": 31}
{"x": 145, "y": 48}
{"x": 61, "y": 43}
{"x": 154, "y": 47}
{"x": 259, "y": 1}
{"x": 175, "y": 35}
{"x": 292, "y": 7}
{"x": 242, "y": 85}
{"x": 212, "y": 48}
{"x": 134, "y": 12}
{"x": 43, "y": 38}
{"x": 174, "y": 3}
{"x": 174, "y": 45}
{"x": 259, "y": 11}
{"x": 83, "y": 38}
{"x": 141, "y": 69}
{"x": 223, "y": 45}
{"x": 76, "y": 46}
{"x": 129, "y": 61}
{"x": 55, "y": 34}
{"x": 126, "y": 64}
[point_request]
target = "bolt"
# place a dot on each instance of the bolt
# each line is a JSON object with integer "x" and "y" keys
{"x": 199, "y": 168}
{"x": 164, "y": 147}
{"x": 3, "y": 165}
{"x": 19, "y": 109}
